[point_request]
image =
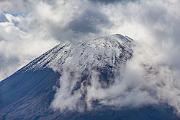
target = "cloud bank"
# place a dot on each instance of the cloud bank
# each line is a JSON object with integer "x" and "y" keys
{"x": 33, "y": 27}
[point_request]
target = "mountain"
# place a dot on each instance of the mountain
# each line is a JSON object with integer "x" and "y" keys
{"x": 58, "y": 85}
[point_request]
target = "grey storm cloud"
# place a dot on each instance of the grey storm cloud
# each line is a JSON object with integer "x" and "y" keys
{"x": 90, "y": 21}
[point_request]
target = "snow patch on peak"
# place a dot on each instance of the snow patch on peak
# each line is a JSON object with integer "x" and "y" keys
{"x": 103, "y": 50}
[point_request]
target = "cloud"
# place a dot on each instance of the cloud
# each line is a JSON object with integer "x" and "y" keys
{"x": 113, "y": 1}
{"x": 153, "y": 71}
{"x": 2, "y": 18}
{"x": 29, "y": 28}
{"x": 12, "y": 61}
{"x": 90, "y": 21}
{"x": 14, "y": 6}
{"x": 18, "y": 47}
{"x": 83, "y": 20}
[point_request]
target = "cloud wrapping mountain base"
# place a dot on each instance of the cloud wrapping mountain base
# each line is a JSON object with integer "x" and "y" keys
{"x": 93, "y": 78}
{"x": 107, "y": 78}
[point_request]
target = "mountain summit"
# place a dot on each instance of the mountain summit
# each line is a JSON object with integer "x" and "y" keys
{"x": 110, "y": 50}
{"x": 74, "y": 81}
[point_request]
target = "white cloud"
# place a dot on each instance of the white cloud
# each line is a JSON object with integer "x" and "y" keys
{"x": 18, "y": 46}
{"x": 44, "y": 23}
{"x": 35, "y": 26}
{"x": 153, "y": 72}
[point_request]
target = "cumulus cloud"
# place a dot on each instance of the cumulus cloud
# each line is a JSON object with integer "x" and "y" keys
{"x": 33, "y": 27}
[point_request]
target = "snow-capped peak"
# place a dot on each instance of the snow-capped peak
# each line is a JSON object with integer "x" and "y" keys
{"x": 110, "y": 50}
{"x": 89, "y": 65}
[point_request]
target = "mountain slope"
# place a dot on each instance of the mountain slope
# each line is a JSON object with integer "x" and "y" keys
{"x": 29, "y": 93}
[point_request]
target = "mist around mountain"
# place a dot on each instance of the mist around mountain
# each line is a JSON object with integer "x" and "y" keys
{"x": 91, "y": 80}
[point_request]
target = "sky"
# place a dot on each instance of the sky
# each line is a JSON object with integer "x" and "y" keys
{"x": 29, "y": 28}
